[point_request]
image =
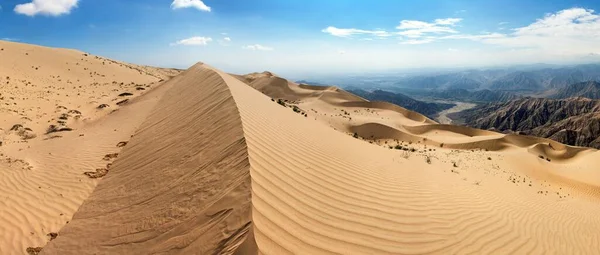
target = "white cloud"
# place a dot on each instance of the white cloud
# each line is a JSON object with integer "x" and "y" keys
{"x": 416, "y": 41}
{"x": 194, "y": 41}
{"x": 198, "y": 4}
{"x": 452, "y": 50}
{"x": 46, "y": 7}
{"x": 341, "y": 52}
{"x": 479, "y": 37}
{"x": 570, "y": 31}
{"x": 225, "y": 41}
{"x": 416, "y": 29}
{"x": 502, "y": 23}
{"x": 347, "y": 32}
{"x": 257, "y": 47}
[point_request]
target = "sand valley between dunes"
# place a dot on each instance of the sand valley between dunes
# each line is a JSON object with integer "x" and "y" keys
{"x": 104, "y": 157}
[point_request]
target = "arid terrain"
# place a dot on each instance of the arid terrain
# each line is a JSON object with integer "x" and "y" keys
{"x": 104, "y": 157}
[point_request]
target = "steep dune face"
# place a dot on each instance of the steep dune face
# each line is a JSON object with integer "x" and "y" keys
{"x": 181, "y": 186}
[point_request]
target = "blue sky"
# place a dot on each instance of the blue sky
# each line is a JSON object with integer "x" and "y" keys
{"x": 293, "y": 37}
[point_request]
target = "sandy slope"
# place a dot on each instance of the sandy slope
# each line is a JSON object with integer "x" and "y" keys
{"x": 42, "y": 181}
{"x": 316, "y": 190}
{"x": 217, "y": 167}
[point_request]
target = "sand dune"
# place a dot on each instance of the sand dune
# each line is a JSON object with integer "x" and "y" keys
{"x": 42, "y": 178}
{"x": 217, "y": 166}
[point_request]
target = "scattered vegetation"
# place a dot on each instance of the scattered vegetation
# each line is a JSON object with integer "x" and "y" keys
{"x": 99, "y": 173}
{"x": 281, "y": 102}
{"x": 54, "y": 129}
{"x": 33, "y": 250}
{"x": 110, "y": 156}
{"x": 52, "y": 235}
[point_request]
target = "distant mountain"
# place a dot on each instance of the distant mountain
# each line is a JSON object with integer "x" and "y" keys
{"x": 461, "y": 80}
{"x": 573, "y": 121}
{"x": 429, "y": 109}
{"x": 590, "y": 89}
{"x": 516, "y": 81}
{"x": 510, "y": 79}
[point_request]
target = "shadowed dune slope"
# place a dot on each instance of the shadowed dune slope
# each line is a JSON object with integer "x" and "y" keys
{"x": 181, "y": 186}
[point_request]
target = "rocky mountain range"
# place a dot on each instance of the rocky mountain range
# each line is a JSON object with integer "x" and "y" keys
{"x": 573, "y": 121}
{"x": 590, "y": 89}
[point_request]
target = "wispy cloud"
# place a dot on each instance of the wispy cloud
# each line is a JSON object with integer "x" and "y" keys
{"x": 412, "y": 29}
{"x": 416, "y": 29}
{"x": 46, "y": 7}
{"x": 570, "y": 31}
{"x": 198, "y": 4}
{"x": 194, "y": 41}
{"x": 347, "y": 32}
{"x": 416, "y": 41}
{"x": 257, "y": 47}
{"x": 225, "y": 41}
